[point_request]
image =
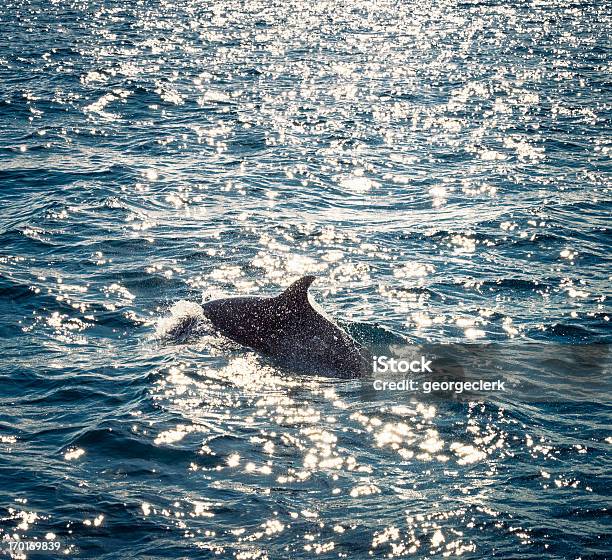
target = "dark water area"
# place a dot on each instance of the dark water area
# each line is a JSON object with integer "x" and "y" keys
{"x": 442, "y": 167}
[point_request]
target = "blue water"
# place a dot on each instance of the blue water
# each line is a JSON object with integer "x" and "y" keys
{"x": 444, "y": 167}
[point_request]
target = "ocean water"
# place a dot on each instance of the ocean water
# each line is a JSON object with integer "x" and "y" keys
{"x": 443, "y": 167}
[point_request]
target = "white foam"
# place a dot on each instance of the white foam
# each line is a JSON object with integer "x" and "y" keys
{"x": 185, "y": 320}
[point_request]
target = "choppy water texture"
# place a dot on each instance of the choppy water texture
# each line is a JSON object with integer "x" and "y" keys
{"x": 441, "y": 165}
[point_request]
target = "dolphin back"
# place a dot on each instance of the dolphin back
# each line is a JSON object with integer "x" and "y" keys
{"x": 290, "y": 328}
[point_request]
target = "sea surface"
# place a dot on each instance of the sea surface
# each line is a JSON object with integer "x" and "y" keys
{"x": 444, "y": 169}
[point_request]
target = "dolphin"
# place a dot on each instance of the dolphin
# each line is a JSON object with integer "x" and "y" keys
{"x": 291, "y": 328}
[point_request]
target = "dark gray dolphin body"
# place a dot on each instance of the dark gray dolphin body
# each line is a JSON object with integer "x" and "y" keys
{"x": 290, "y": 328}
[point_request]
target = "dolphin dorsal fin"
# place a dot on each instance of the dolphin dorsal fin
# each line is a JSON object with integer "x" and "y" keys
{"x": 297, "y": 293}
